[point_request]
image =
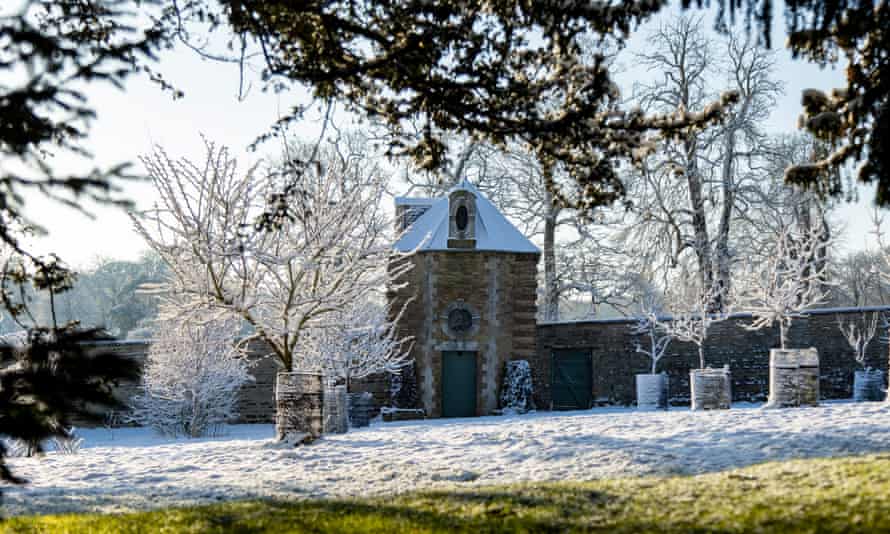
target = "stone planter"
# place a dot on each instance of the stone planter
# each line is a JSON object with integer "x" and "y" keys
{"x": 793, "y": 378}
{"x": 652, "y": 391}
{"x": 711, "y": 389}
{"x": 360, "y": 407}
{"x": 299, "y": 400}
{"x": 868, "y": 385}
{"x": 335, "y": 409}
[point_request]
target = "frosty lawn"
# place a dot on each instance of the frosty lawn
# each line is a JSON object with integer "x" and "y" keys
{"x": 137, "y": 470}
{"x": 823, "y": 495}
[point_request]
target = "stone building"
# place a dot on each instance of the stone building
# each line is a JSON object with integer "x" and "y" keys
{"x": 470, "y": 299}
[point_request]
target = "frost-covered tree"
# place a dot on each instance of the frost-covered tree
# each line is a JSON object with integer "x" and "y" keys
{"x": 693, "y": 316}
{"x": 787, "y": 282}
{"x": 654, "y": 329}
{"x": 859, "y": 334}
{"x": 321, "y": 249}
{"x": 191, "y": 378}
{"x": 691, "y": 194}
{"x": 357, "y": 341}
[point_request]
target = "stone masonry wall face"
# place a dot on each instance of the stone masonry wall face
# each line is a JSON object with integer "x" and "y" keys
{"x": 499, "y": 287}
{"x": 746, "y": 352}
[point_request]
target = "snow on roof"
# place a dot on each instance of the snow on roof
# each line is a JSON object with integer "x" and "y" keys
{"x": 493, "y": 231}
{"x": 414, "y": 201}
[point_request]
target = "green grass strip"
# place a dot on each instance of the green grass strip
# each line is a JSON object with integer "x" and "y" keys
{"x": 826, "y": 495}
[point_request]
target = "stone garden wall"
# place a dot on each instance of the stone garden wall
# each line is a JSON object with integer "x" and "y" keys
{"x": 256, "y": 400}
{"x": 615, "y": 363}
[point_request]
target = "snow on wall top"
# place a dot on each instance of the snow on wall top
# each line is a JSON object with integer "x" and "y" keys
{"x": 493, "y": 231}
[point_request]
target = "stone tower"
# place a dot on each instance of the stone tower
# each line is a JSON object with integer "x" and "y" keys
{"x": 470, "y": 299}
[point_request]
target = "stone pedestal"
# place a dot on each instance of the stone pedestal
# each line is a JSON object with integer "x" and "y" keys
{"x": 299, "y": 400}
{"x": 868, "y": 385}
{"x": 793, "y": 378}
{"x": 711, "y": 389}
{"x": 652, "y": 391}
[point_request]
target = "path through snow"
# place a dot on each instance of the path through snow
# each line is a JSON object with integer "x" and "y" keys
{"x": 138, "y": 470}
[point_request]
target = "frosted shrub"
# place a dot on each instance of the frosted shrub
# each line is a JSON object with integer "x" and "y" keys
{"x": 70, "y": 444}
{"x": 191, "y": 379}
{"x": 517, "y": 392}
{"x": 16, "y": 448}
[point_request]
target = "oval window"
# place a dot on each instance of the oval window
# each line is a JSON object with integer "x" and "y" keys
{"x": 461, "y": 218}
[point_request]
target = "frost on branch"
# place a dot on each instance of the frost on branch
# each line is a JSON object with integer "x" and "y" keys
{"x": 859, "y": 335}
{"x": 868, "y": 383}
{"x": 355, "y": 342}
{"x": 191, "y": 379}
{"x": 330, "y": 251}
{"x": 654, "y": 330}
{"x": 788, "y": 281}
{"x": 693, "y": 315}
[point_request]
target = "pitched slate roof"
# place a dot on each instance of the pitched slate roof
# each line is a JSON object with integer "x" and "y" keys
{"x": 493, "y": 231}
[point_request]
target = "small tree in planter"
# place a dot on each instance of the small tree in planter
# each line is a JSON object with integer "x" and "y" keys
{"x": 709, "y": 388}
{"x": 652, "y": 388}
{"x": 791, "y": 280}
{"x": 868, "y": 383}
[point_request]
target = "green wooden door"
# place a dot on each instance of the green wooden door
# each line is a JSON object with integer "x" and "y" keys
{"x": 571, "y": 380}
{"x": 458, "y": 384}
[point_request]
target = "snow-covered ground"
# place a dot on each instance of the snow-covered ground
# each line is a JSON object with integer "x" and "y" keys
{"x": 135, "y": 469}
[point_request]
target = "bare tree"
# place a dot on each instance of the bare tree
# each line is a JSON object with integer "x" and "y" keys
{"x": 688, "y": 192}
{"x": 787, "y": 282}
{"x": 325, "y": 247}
{"x": 654, "y": 328}
{"x": 693, "y": 315}
{"x": 858, "y": 335}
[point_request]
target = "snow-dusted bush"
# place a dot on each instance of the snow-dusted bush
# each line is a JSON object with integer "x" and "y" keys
{"x": 191, "y": 379}
{"x": 403, "y": 388}
{"x": 16, "y": 448}
{"x": 517, "y": 390}
{"x": 70, "y": 444}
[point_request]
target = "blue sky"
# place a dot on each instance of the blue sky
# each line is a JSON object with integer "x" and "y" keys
{"x": 131, "y": 122}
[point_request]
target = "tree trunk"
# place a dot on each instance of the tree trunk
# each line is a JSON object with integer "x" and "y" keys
{"x": 702, "y": 242}
{"x": 551, "y": 284}
{"x": 783, "y": 335}
{"x": 721, "y": 249}
{"x": 701, "y": 356}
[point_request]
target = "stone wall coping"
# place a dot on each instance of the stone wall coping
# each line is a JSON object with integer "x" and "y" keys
{"x": 737, "y": 315}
